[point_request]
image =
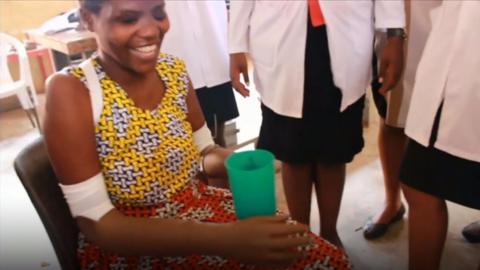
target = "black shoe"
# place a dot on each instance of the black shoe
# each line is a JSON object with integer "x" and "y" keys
{"x": 472, "y": 232}
{"x": 374, "y": 230}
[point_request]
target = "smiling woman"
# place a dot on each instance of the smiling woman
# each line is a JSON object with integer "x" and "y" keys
{"x": 133, "y": 32}
{"x": 126, "y": 151}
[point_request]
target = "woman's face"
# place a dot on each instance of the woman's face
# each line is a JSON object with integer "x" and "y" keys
{"x": 130, "y": 32}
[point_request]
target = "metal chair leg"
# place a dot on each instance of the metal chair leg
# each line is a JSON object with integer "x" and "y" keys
{"x": 27, "y": 112}
{"x": 33, "y": 110}
{"x": 37, "y": 120}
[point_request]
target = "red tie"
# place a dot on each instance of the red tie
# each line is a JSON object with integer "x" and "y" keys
{"x": 316, "y": 14}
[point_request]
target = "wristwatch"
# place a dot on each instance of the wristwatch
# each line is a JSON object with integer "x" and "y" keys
{"x": 396, "y": 32}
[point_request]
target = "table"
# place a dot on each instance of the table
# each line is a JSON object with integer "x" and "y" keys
{"x": 71, "y": 42}
{"x": 65, "y": 45}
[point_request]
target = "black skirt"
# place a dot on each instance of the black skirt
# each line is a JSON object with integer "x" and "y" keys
{"x": 218, "y": 103}
{"x": 323, "y": 134}
{"x": 441, "y": 174}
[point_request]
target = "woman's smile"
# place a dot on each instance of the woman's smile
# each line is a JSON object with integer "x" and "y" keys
{"x": 146, "y": 52}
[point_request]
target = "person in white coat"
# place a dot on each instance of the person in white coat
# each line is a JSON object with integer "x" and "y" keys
{"x": 198, "y": 35}
{"x": 393, "y": 109}
{"x": 442, "y": 160}
{"x": 312, "y": 64}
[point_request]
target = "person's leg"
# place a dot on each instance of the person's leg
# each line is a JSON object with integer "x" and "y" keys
{"x": 218, "y": 129}
{"x": 297, "y": 184}
{"x": 391, "y": 146}
{"x": 329, "y": 182}
{"x": 218, "y": 133}
{"x": 427, "y": 225}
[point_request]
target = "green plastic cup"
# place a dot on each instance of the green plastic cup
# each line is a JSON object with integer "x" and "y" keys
{"x": 252, "y": 181}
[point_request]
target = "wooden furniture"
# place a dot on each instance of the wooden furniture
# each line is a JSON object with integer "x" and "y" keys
{"x": 71, "y": 42}
{"x": 66, "y": 45}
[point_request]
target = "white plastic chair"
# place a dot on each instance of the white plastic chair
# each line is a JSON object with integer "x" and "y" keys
{"x": 23, "y": 88}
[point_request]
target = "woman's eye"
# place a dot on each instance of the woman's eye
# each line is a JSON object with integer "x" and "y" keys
{"x": 127, "y": 19}
{"x": 160, "y": 16}
{"x": 159, "y": 13}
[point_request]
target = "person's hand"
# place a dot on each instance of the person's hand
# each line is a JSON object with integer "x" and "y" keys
{"x": 239, "y": 65}
{"x": 266, "y": 241}
{"x": 391, "y": 64}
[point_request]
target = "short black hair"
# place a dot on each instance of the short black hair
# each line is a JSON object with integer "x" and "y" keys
{"x": 93, "y": 6}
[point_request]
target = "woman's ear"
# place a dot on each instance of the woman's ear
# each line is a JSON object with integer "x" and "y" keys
{"x": 86, "y": 19}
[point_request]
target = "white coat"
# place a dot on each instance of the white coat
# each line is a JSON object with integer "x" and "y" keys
{"x": 274, "y": 34}
{"x": 449, "y": 72}
{"x": 198, "y": 35}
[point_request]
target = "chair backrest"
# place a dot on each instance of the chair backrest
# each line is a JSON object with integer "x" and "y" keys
{"x": 5, "y": 76}
{"x": 28, "y": 98}
{"x": 36, "y": 174}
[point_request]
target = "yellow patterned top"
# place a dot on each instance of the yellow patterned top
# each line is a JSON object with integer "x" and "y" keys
{"x": 146, "y": 155}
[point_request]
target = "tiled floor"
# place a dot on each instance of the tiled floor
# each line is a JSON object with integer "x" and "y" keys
{"x": 25, "y": 245}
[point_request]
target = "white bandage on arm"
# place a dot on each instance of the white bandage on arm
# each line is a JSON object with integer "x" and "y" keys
{"x": 203, "y": 138}
{"x": 88, "y": 198}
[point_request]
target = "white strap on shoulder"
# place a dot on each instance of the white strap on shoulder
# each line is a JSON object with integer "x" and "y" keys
{"x": 93, "y": 85}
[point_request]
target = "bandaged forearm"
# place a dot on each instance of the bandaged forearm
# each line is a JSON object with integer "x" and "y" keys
{"x": 88, "y": 198}
{"x": 203, "y": 138}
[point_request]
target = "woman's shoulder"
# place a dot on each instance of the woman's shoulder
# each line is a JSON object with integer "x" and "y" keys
{"x": 67, "y": 78}
{"x": 65, "y": 88}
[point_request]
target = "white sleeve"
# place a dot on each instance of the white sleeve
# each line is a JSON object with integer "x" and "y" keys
{"x": 239, "y": 24}
{"x": 389, "y": 14}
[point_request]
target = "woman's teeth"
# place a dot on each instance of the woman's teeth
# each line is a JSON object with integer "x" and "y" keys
{"x": 146, "y": 49}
